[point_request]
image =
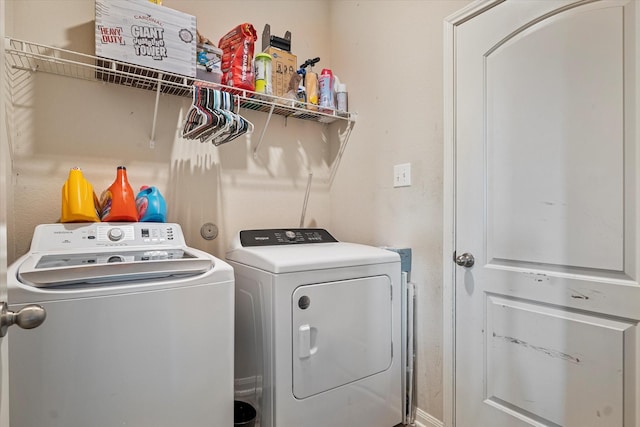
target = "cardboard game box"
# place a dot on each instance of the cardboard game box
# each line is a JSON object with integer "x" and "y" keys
{"x": 146, "y": 34}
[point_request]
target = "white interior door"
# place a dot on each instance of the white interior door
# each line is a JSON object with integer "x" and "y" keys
{"x": 546, "y": 200}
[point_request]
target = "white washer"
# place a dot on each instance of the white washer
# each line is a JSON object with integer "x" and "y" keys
{"x": 317, "y": 329}
{"x": 139, "y": 329}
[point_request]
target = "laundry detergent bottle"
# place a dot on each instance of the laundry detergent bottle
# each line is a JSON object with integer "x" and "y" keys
{"x": 151, "y": 205}
{"x": 79, "y": 201}
{"x": 118, "y": 201}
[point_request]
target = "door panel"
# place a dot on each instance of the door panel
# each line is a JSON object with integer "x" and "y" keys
{"x": 542, "y": 363}
{"x": 545, "y": 199}
{"x": 544, "y": 132}
{"x": 341, "y": 333}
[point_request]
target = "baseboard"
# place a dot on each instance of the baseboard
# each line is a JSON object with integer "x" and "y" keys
{"x": 425, "y": 420}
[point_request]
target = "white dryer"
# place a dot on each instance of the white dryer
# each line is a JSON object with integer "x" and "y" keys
{"x": 317, "y": 329}
{"x": 139, "y": 330}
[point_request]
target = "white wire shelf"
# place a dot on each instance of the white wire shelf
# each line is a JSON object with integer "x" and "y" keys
{"x": 33, "y": 57}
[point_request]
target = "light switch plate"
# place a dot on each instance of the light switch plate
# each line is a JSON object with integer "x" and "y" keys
{"x": 402, "y": 175}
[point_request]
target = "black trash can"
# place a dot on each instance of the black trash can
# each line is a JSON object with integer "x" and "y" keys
{"x": 244, "y": 415}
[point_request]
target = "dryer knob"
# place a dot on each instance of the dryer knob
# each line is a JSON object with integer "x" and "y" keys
{"x": 115, "y": 234}
{"x": 290, "y": 235}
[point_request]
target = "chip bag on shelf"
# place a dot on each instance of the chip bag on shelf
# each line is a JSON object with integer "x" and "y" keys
{"x": 237, "y": 57}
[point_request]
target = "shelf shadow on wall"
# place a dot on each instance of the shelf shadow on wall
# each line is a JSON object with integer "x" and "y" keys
{"x": 290, "y": 150}
{"x": 81, "y": 38}
{"x": 194, "y": 198}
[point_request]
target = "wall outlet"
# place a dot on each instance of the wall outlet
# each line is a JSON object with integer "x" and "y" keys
{"x": 402, "y": 175}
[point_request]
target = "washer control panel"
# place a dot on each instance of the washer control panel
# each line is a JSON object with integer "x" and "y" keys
{"x": 291, "y": 236}
{"x": 79, "y": 236}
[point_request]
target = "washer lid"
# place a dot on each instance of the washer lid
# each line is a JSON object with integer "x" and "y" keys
{"x": 55, "y": 269}
{"x": 310, "y": 256}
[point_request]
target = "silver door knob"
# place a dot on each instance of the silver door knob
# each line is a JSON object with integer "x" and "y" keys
{"x": 465, "y": 260}
{"x": 28, "y": 317}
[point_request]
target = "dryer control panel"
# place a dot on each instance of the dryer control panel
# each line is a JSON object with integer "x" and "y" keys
{"x": 291, "y": 236}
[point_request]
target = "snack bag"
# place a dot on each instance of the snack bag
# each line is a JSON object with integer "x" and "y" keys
{"x": 237, "y": 57}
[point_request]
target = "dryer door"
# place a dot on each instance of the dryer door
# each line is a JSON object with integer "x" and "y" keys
{"x": 341, "y": 333}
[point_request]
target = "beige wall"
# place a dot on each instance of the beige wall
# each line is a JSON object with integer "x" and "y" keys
{"x": 60, "y": 123}
{"x": 391, "y": 54}
{"x": 388, "y": 52}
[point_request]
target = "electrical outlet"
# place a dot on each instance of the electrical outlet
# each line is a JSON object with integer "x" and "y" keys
{"x": 402, "y": 175}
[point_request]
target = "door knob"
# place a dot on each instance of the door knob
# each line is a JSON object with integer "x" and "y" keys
{"x": 28, "y": 317}
{"x": 465, "y": 260}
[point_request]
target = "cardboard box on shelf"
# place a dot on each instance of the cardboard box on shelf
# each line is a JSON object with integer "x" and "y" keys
{"x": 283, "y": 66}
{"x": 146, "y": 34}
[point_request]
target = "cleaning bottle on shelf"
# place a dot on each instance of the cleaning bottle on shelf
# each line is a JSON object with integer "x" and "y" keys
{"x": 311, "y": 83}
{"x": 311, "y": 88}
{"x": 301, "y": 92}
{"x": 79, "y": 201}
{"x": 326, "y": 83}
{"x": 262, "y": 72}
{"x": 341, "y": 96}
{"x": 118, "y": 201}
{"x": 151, "y": 205}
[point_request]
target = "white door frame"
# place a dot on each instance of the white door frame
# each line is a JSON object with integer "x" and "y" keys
{"x": 449, "y": 198}
{"x": 4, "y": 178}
